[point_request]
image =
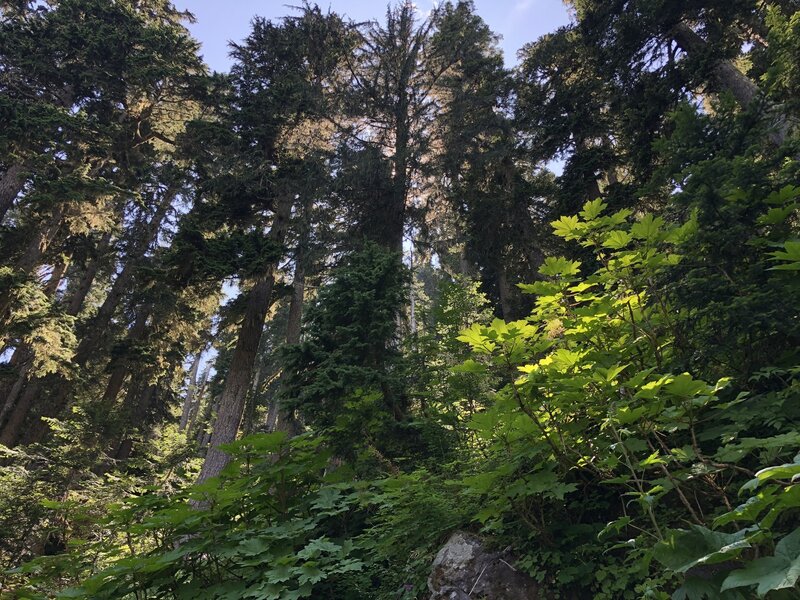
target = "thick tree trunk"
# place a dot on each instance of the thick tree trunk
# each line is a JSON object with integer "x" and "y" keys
{"x": 295, "y": 319}
{"x": 237, "y": 382}
{"x": 124, "y": 449}
{"x": 534, "y": 256}
{"x": 272, "y": 415}
{"x": 10, "y": 186}
{"x": 20, "y": 404}
{"x": 504, "y": 290}
{"x": 397, "y": 210}
{"x": 728, "y": 78}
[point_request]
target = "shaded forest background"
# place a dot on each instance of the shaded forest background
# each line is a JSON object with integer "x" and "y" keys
{"x": 276, "y": 333}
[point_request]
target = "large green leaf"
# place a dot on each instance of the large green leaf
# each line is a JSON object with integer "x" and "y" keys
{"x": 559, "y": 267}
{"x": 685, "y": 549}
{"x": 771, "y": 572}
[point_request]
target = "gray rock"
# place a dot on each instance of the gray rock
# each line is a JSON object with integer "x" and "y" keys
{"x": 465, "y": 570}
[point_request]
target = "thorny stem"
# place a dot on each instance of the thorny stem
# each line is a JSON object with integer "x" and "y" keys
{"x": 678, "y": 489}
{"x": 637, "y": 481}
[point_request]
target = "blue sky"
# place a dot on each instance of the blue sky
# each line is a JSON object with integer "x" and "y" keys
{"x": 218, "y": 21}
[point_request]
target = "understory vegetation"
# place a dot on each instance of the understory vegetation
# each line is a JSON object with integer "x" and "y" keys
{"x": 277, "y": 333}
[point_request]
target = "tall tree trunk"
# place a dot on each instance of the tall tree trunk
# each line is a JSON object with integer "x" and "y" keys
{"x": 137, "y": 403}
{"x": 534, "y": 256}
{"x": 188, "y": 401}
{"x": 121, "y": 367}
{"x": 10, "y": 391}
{"x": 237, "y": 381}
{"x": 19, "y": 407}
{"x": 194, "y": 409}
{"x": 278, "y": 417}
{"x": 204, "y": 435}
{"x": 397, "y": 210}
{"x": 728, "y": 78}
{"x": 74, "y": 306}
{"x": 249, "y": 419}
{"x": 78, "y": 297}
{"x": 23, "y": 357}
{"x": 412, "y": 296}
{"x": 56, "y": 276}
{"x": 59, "y": 399}
{"x": 39, "y": 244}
{"x": 95, "y": 331}
{"x": 504, "y": 289}
{"x": 10, "y": 186}
{"x": 32, "y": 256}
{"x": 295, "y": 317}
{"x": 98, "y": 327}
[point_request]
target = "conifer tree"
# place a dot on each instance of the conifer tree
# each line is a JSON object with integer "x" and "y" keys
{"x": 277, "y": 86}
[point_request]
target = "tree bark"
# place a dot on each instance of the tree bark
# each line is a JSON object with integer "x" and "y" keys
{"x": 249, "y": 419}
{"x": 728, "y": 78}
{"x": 194, "y": 410}
{"x": 22, "y": 360}
{"x": 34, "y": 387}
{"x": 295, "y": 317}
{"x": 31, "y": 258}
{"x": 278, "y": 418}
{"x": 78, "y": 297}
{"x": 59, "y": 400}
{"x": 98, "y": 327}
{"x": 75, "y": 305}
{"x": 56, "y": 276}
{"x": 188, "y": 401}
{"x": 204, "y": 435}
{"x": 18, "y": 409}
{"x": 10, "y": 186}
{"x": 23, "y": 357}
{"x": 119, "y": 371}
{"x": 505, "y": 293}
{"x": 139, "y": 402}
{"x": 237, "y": 382}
